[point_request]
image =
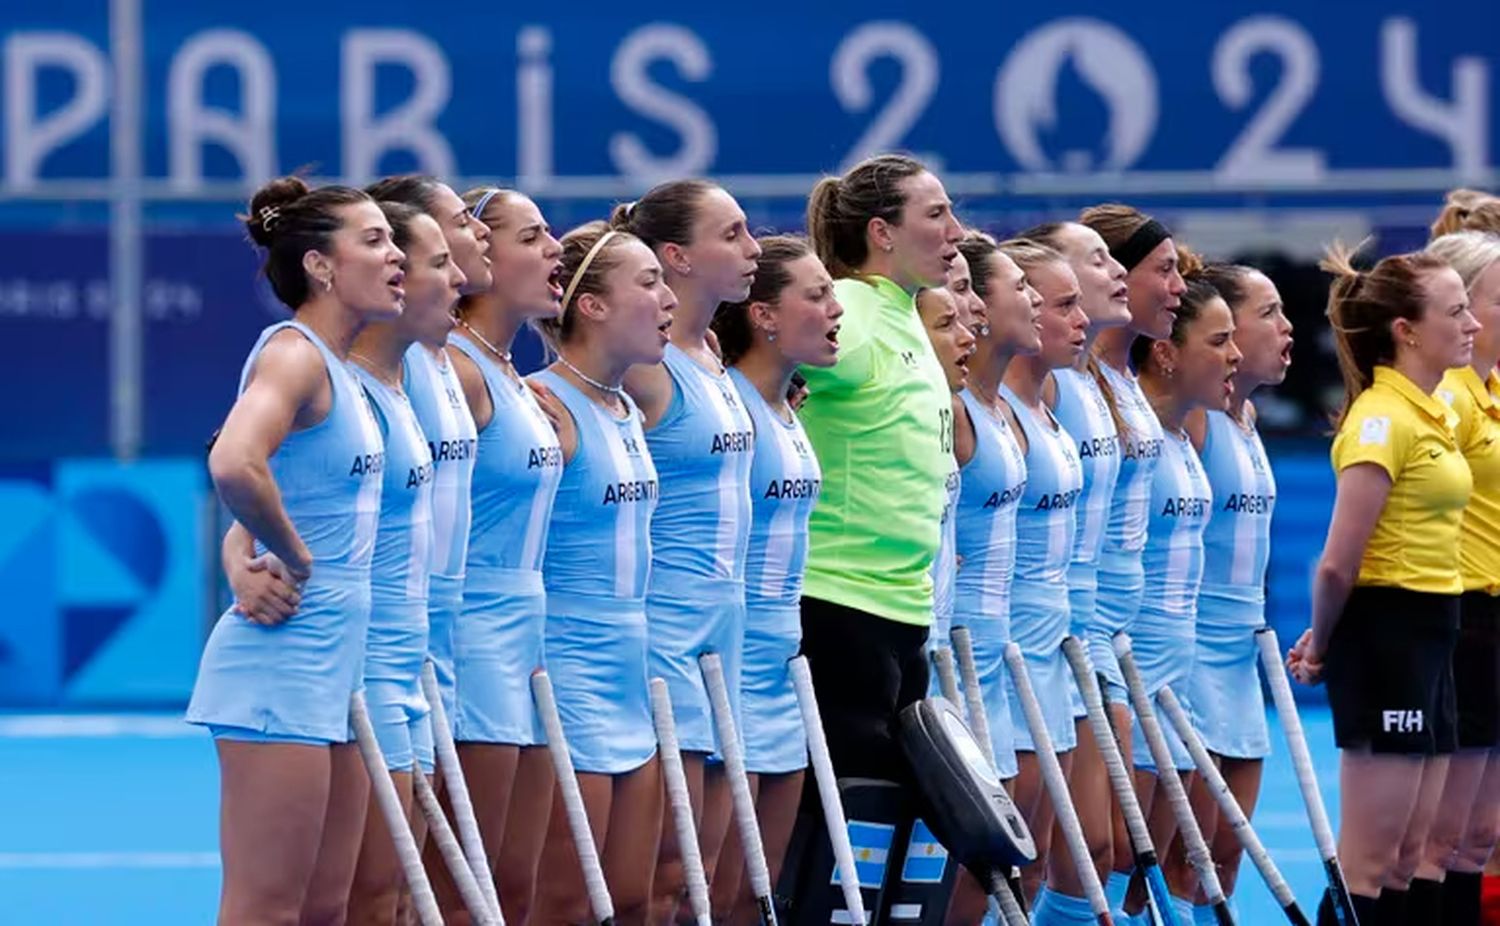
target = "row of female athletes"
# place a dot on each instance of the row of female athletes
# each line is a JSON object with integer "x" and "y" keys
{"x": 651, "y": 496}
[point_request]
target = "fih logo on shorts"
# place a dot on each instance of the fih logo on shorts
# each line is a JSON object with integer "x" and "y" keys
{"x": 1401, "y": 722}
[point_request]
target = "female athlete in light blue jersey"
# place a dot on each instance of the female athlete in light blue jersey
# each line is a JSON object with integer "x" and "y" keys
{"x": 1154, "y": 290}
{"x": 1190, "y": 369}
{"x": 616, "y": 310}
{"x": 396, "y": 645}
{"x": 1045, "y": 530}
{"x": 298, "y": 463}
{"x": 968, "y": 311}
{"x": 1087, "y": 412}
{"x": 702, "y": 443}
{"x": 991, "y": 480}
{"x": 789, "y": 318}
{"x": 468, "y": 241}
{"x": 498, "y": 640}
{"x": 1224, "y": 687}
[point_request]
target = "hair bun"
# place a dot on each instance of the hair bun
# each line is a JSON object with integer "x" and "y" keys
{"x": 267, "y": 204}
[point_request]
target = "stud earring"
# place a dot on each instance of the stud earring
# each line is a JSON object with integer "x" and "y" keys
{"x": 328, "y": 284}
{"x": 888, "y": 248}
{"x": 771, "y": 337}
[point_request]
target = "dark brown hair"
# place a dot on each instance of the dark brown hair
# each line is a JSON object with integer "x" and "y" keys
{"x": 288, "y": 218}
{"x": 839, "y": 209}
{"x": 413, "y": 189}
{"x": 400, "y": 215}
{"x": 665, "y": 215}
{"x": 1199, "y": 293}
{"x": 1363, "y": 304}
{"x": 977, "y": 247}
{"x": 576, "y": 245}
{"x": 731, "y": 321}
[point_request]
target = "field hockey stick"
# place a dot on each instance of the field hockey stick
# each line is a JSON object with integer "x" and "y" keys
{"x": 1119, "y": 778}
{"x": 1057, "y": 786}
{"x": 1307, "y": 779}
{"x": 458, "y": 793}
{"x": 1230, "y": 808}
{"x": 682, "y": 805}
{"x": 572, "y": 800}
{"x": 1166, "y": 774}
{"x": 828, "y": 788}
{"x": 979, "y": 724}
{"x": 942, "y": 664}
{"x": 712, "y": 667}
{"x": 450, "y": 849}
{"x": 389, "y": 802}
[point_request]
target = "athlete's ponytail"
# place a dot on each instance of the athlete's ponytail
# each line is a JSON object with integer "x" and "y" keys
{"x": 839, "y": 209}
{"x": 1363, "y": 305}
{"x": 1468, "y": 210}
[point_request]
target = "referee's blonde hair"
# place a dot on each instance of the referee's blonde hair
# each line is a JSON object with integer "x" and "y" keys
{"x": 1469, "y": 252}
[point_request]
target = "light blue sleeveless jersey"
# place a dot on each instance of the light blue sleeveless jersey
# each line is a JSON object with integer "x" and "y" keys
{"x": 1121, "y": 575}
{"x": 695, "y": 603}
{"x": 945, "y": 562}
{"x": 784, "y": 483}
{"x": 294, "y": 680}
{"x": 596, "y": 565}
{"x": 1237, "y": 541}
{"x": 1083, "y": 413}
{"x": 1224, "y": 687}
{"x": 1046, "y": 527}
{"x": 1163, "y": 632}
{"x": 396, "y": 645}
{"x": 436, "y": 396}
{"x": 993, "y": 483}
{"x": 499, "y": 640}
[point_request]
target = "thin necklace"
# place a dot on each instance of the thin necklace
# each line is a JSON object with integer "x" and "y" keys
{"x": 375, "y": 370}
{"x": 502, "y": 354}
{"x": 612, "y": 390}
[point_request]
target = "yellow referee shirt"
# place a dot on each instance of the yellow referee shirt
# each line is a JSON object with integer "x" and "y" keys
{"x": 1478, "y": 434}
{"x": 1410, "y": 435}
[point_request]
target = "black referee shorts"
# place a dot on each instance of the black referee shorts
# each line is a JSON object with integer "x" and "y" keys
{"x": 1389, "y": 670}
{"x": 1476, "y": 671}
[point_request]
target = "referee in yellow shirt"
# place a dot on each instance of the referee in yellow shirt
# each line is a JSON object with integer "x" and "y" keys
{"x": 1451, "y": 864}
{"x": 1386, "y": 591}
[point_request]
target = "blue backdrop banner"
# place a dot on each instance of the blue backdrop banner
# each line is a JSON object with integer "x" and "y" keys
{"x": 1238, "y": 94}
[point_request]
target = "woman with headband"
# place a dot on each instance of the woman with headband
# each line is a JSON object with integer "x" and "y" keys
{"x": 1045, "y": 530}
{"x": 616, "y": 310}
{"x": 877, "y": 419}
{"x": 298, "y": 463}
{"x": 498, "y": 639}
{"x": 701, "y": 441}
{"x": 1088, "y": 413}
{"x": 1154, "y": 290}
{"x": 789, "y": 319}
